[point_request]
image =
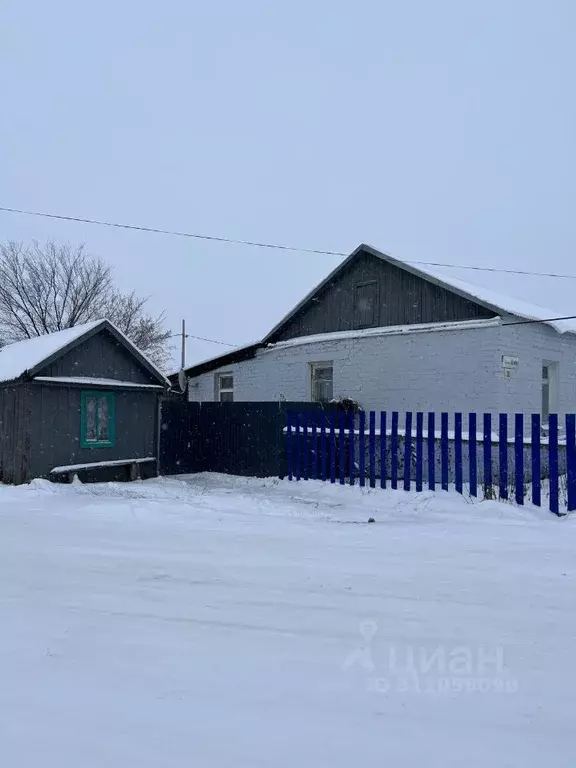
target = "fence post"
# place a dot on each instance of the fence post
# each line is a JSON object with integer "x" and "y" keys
{"x": 332, "y": 447}
{"x": 297, "y": 444}
{"x": 342, "y": 446}
{"x": 458, "y": 451}
{"x": 444, "y": 450}
{"x": 503, "y": 452}
{"x": 372, "y": 449}
{"x": 289, "y": 443}
{"x": 362, "y": 448}
{"x": 314, "y": 447}
{"x": 305, "y": 444}
{"x": 472, "y": 454}
{"x": 382, "y": 449}
{"x": 536, "y": 449}
{"x": 408, "y": 451}
{"x": 431, "y": 452}
{"x": 394, "y": 451}
{"x": 351, "y": 468}
{"x": 487, "y": 445}
{"x": 571, "y": 460}
{"x": 519, "y": 457}
{"x": 419, "y": 449}
{"x": 553, "y": 461}
{"x": 323, "y": 446}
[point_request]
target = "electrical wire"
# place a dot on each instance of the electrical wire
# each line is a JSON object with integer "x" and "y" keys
{"x": 274, "y": 246}
{"x": 202, "y": 338}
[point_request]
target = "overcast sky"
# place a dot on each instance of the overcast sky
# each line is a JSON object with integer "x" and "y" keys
{"x": 441, "y": 131}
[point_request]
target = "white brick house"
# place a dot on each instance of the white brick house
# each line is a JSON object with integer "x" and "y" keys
{"x": 360, "y": 334}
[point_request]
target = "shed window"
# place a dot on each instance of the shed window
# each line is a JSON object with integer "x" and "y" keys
{"x": 97, "y": 420}
{"x": 225, "y": 387}
{"x": 366, "y": 305}
{"x": 322, "y": 382}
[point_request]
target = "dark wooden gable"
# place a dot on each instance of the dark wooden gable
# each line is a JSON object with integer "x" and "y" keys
{"x": 100, "y": 356}
{"x": 371, "y": 292}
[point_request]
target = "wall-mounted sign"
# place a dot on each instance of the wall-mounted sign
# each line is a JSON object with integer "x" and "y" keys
{"x": 510, "y": 362}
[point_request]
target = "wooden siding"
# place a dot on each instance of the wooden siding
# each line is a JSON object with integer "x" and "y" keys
{"x": 14, "y": 435}
{"x": 100, "y": 356}
{"x": 55, "y": 427}
{"x": 402, "y": 298}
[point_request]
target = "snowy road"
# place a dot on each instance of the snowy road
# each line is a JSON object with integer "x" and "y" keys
{"x": 225, "y": 622}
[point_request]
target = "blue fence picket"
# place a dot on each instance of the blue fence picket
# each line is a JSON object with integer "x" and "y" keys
{"x": 519, "y": 456}
{"x": 419, "y": 449}
{"x": 503, "y": 451}
{"x": 342, "y": 446}
{"x": 289, "y": 443}
{"x": 382, "y": 449}
{"x": 372, "y": 448}
{"x": 332, "y": 447}
{"x": 305, "y": 445}
{"x": 553, "y": 461}
{"x": 394, "y": 451}
{"x": 362, "y": 448}
{"x": 444, "y": 450}
{"x": 571, "y": 460}
{"x": 351, "y": 466}
{"x": 323, "y": 463}
{"x": 472, "y": 454}
{"x": 408, "y": 451}
{"x": 458, "y": 451}
{"x": 314, "y": 439}
{"x": 487, "y": 445}
{"x": 536, "y": 460}
{"x": 431, "y": 451}
{"x": 297, "y": 445}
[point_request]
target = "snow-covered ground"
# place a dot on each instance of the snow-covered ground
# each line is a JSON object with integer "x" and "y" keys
{"x": 215, "y": 621}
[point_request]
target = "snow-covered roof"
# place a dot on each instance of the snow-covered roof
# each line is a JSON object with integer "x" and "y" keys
{"x": 386, "y": 330}
{"x": 17, "y": 358}
{"x": 499, "y": 304}
{"x": 24, "y": 356}
{"x": 232, "y": 351}
{"x": 506, "y": 304}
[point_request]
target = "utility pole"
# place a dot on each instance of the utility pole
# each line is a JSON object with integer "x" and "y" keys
{"x": 183, "y": 363}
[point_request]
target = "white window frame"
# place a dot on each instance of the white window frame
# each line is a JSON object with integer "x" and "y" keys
{"x": 313, "y": 368}
{"x": 220, "y": 389}
{"x": 553, "y": 385}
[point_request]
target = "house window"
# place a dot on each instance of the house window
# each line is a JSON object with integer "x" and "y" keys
{"x": 97, "y": 420}
{"x": 549, "y": 390}
{"x": 322, "y": 382}
{"x": 225, "y": 387}
{"x": 366, "y": 305}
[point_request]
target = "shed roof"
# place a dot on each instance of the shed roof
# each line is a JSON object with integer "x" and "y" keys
{"x": 31, "y": 355}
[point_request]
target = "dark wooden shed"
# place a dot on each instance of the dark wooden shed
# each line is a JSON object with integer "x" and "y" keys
{"x": 80, "y": 401}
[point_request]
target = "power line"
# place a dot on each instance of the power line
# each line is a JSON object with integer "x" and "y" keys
{"x": 172, "y": 232}
{"x": 202, "y": 338}
{"x": 273, "y": 246}
{"x": 545, "y": 320}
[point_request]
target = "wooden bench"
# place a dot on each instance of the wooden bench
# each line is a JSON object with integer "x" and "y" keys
{"x": 72, "y": 469}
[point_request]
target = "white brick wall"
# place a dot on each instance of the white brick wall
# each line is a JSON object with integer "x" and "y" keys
{"x": 450, "y": 370}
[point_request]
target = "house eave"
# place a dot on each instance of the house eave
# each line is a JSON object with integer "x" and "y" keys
{"x": 228, "y": 358}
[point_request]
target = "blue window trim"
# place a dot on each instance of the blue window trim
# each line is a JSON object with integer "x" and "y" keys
{"x": 84, "y": 443}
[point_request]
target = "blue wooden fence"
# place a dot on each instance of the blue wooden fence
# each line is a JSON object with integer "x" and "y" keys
{"x": 340, "y": 447}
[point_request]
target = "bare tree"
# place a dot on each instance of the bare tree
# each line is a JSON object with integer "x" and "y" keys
{"x": 48, "y": 288}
